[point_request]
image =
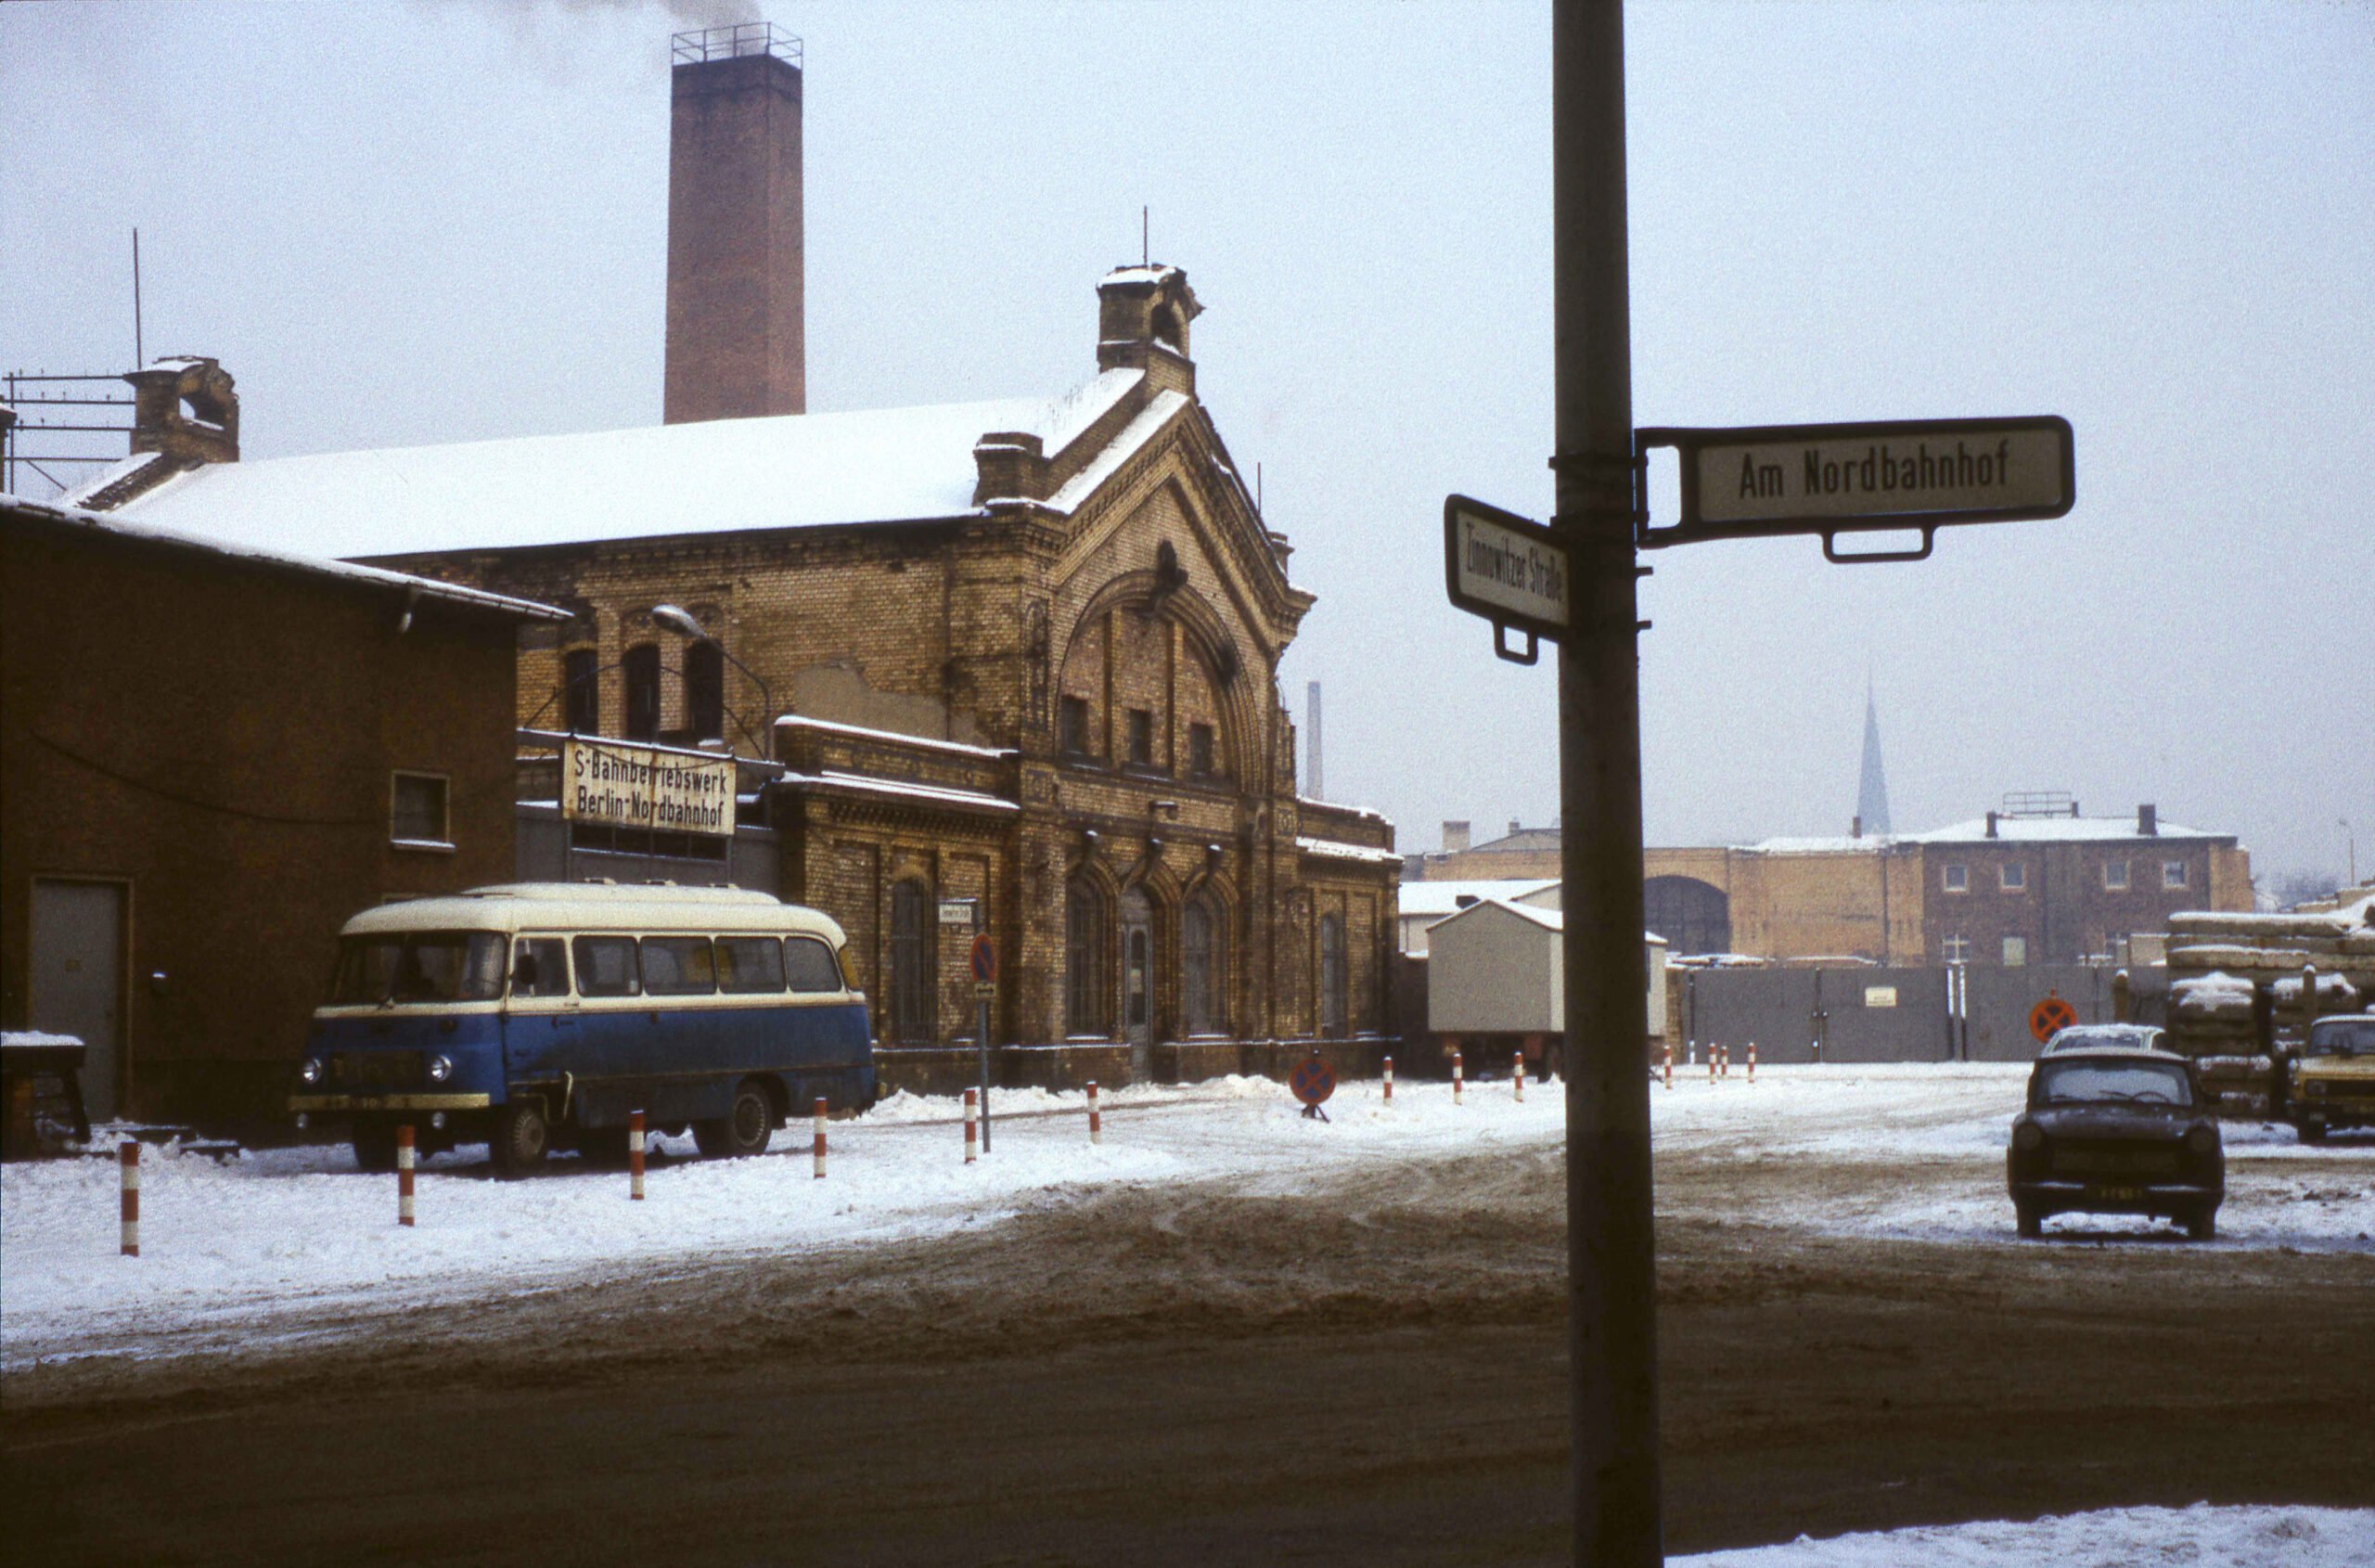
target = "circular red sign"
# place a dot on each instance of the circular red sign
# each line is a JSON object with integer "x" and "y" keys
{"x": 1312, "y": 1080}
{"x": 2051, "y": 1015}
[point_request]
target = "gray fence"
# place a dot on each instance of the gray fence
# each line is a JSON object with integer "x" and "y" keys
{"x": 1896, "y": 1014}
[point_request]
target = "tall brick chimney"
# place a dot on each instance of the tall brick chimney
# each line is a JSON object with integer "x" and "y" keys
{"x": 737, "y": 334}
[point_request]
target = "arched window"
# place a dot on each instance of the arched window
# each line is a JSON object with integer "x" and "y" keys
{"x": 1331, "y": 975}
{"x": 580, "y": 692}
{"x": 1137, "y": 966}
{"x": 705, "y": 690}
{"x": 641, "y": 667}
{"x": 1084, "y": 957}
{"x": 913, "y": 978}
{"x": 1203, "y": 963}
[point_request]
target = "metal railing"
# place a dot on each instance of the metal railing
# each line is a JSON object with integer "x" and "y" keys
{"x": 730, "y": 43}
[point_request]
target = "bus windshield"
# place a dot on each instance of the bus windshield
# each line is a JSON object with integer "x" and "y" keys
{"x": 429, "y": 966}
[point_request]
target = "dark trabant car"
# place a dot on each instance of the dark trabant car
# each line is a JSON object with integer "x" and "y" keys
{"x": 2117, "y": 1131}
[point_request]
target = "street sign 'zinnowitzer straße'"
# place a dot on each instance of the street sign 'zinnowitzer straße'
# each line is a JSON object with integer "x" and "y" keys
{"x": 1507, "y": 569}
{"x": 1899, "y": 476}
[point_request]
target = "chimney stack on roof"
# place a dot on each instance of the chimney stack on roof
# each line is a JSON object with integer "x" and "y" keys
{"x": 2148, "y": 821}
{"x": 1456, "y": 836}
{"x": 1142, "y": 316}
{"x": 1991, "y": 824}
{"x": 185, "y": 407}
{"x": 737, "y": 327}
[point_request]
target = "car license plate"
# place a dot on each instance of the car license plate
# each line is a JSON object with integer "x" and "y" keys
{"x": 2119, "y": 1194}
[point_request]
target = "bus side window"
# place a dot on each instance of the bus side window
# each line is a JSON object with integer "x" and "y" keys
{"x": 812, "y": 965}
{"x": 678, "y": 966}
{"x": 540, "y": 967}
{"x": 750, "y": 963}
{"x": 607, "y": 967}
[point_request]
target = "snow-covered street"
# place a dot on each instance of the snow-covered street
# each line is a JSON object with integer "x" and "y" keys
{"x": 1908, "y": 1151}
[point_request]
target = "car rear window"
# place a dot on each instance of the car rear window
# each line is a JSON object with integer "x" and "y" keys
{"x": 2088, "y": 1080}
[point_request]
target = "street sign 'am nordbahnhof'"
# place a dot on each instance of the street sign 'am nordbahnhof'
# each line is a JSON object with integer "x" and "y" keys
{"x": 1842, "y": 479}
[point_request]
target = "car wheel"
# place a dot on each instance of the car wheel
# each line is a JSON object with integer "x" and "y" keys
{"x": 743, "y": 1130}
{"x": 375, "y": 1146}
{"x": 521, "y": 1137}
{"x": 2028, "y": 1220}
{"x": 2202, "y": 1223}
{"x": 2312, "y": 1132}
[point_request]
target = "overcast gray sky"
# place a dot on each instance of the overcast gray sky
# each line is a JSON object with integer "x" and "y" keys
{"x": 415, "y": 223}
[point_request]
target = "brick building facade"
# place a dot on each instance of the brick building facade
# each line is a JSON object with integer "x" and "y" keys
{"x": 1022, "y": 652}
{"x": 208, "y": 760}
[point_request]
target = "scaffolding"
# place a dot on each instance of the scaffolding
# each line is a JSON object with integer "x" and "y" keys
{"x": 56, "y": 431}
{"x": 730, "y": 43}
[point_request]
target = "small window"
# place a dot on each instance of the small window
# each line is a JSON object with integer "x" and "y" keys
{"x": 1958, "y": 879}
{"x": 1200, "y": 750}
{"x": 641, "y": 670}
{"x": 812, "y": 965}
{"x": 607, "y": 967}
{"x": 750, "y": 964}
{"x": 2172, "y": 873}
{"x": 582, "y": 691}
{"x": 678, "y": 966}
{"x": 2016, "y": 951}
{"x": 2012, "y": 876}
{"x": 540, "y": 967}
{"x": 1072, "y": 725}
{"x": 705, "y": 690}
{"x": 1141, "y": 738}
{"x": 1954, "y": 949}
{"x": 2115, "y": 876}
{"x": 418, "y": 814}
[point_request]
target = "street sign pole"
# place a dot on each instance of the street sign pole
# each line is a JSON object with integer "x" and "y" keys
{"x": 1611, "y": 1320}
{"x": 982, "y": 960}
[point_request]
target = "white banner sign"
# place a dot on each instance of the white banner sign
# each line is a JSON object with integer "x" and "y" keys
{"x": 618, "y": 786}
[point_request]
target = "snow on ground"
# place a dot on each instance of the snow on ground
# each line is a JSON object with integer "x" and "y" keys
{"x": 300, "y": 1229}
{"x": 2199, "y": 1537}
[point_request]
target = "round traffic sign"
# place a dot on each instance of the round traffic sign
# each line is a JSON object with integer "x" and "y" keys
{"x": 2051, "y": 1015}
{"x": 1312, "y": 1080}
{"x": 986, "y": 959}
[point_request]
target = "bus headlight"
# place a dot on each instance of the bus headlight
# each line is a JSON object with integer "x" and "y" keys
{"x": 310, "y": 1070}
{"x": 440, "y": 1068}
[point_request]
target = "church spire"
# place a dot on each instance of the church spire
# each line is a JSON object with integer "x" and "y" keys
{"x": 1872, "y": 793}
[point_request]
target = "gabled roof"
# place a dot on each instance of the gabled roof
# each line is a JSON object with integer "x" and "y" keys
{"x": 16, "y": 512}
{"x": 805, "y": 470}
{"x": 1425, "y": 898}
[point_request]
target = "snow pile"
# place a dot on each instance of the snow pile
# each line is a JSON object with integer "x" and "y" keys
{"x": 32, "y": 1039}
{"x": 2215, "y": 995}
{"x": 2199, "y": 1537}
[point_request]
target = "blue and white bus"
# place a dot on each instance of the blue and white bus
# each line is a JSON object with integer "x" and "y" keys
{"x": 541, "y": 1014}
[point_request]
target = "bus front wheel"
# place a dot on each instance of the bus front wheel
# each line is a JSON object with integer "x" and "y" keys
{"x": 745, "y": 1129}
{"x": 522, "y": 1137}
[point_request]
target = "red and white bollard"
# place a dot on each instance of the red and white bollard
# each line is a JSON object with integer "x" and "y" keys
{"x": 1517, "y": 1075}
{"x": 403, "y": 1174}
{"x": 820, "y": 1138}
{"x": 1096, "y": 1120}
{"x": 635, "y": 1156}
{"x": 1751, "y": 1061}
{"x": 972, "y": 1123}
{"x": 1710, "y": 1065}
{"x": 1669, "y": 1056}
{"x": 128, "y": 1155}
{"x": 1457, "y": 1078}
{"x": 1388, "y": 1078}
{"x": 1723, "y": 1061}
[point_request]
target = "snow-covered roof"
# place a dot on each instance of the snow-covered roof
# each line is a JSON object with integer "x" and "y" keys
{"x": 1335, "y": 849}
{"x": 1444, "y": 897}
{"x": 2009, "y": 829}
{"x": 17, "y": 509}
{"x": 800, "y": 470}
{"x": 1549, "y": 920}
{"x": 801, "y": 721}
